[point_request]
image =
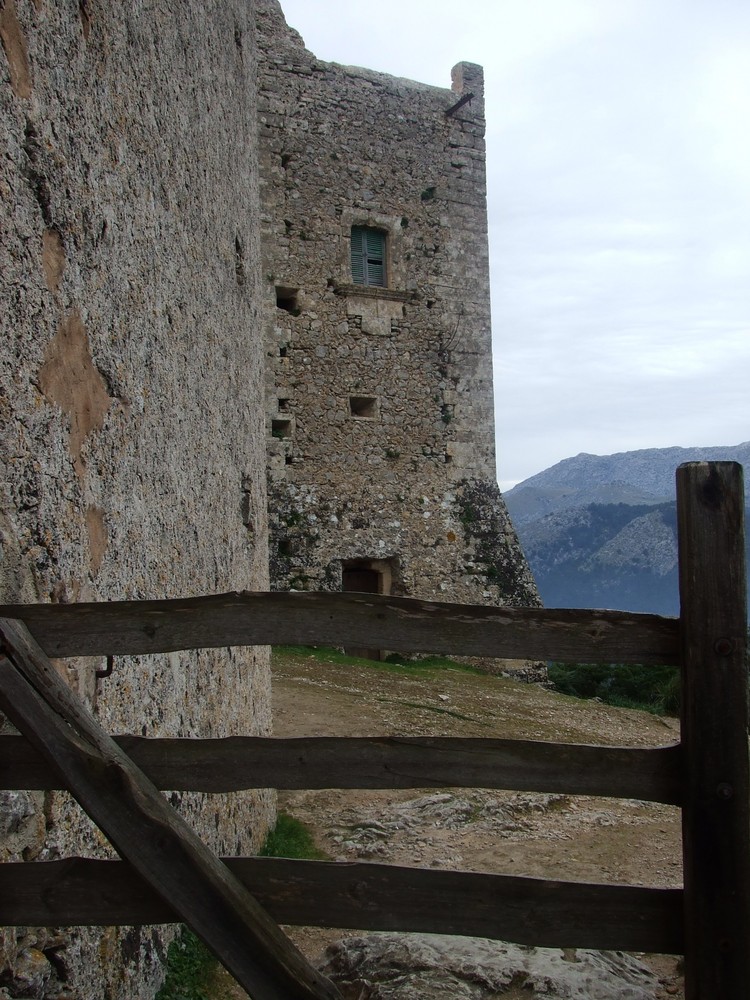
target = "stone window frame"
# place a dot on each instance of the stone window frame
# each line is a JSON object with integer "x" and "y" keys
{"x": 395, "y": 263}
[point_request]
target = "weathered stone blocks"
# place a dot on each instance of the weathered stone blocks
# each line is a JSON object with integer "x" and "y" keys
{"x": 387, "y": 390}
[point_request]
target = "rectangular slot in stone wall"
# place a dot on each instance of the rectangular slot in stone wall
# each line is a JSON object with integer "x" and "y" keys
{"x": 281, "y": 428}
{"x": 363, "y": 407}
{"x": 286, "y": 299}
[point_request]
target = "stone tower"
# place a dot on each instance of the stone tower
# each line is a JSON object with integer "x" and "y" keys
{"x": 380, "y": 423}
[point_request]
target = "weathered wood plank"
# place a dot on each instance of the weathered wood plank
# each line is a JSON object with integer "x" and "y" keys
{"x": 367, "y": 897}
{"x": 239, "y": 762}
{"x": 716, "y": 808}
{"x": 146, "y": 831}
{"x": 360, "y": 620}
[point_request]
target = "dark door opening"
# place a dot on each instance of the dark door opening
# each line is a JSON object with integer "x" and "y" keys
{"x": 360, "y": 580}
{"x": 359, "y": 577}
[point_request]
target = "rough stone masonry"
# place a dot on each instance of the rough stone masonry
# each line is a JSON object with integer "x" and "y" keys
{"x": 145, "y": 152}
{"x": 379, "y": 383}
{"x": 131, "y": 353}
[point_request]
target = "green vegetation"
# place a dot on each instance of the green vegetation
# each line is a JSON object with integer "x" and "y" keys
{"x": 624, "y": 685}
{"x": 291, "y": 839}
{"x": 191, "y": 968}
{"x": 413, "y": 663}
{"x": 394, "y": 662}
{"x": 467, "y": 518}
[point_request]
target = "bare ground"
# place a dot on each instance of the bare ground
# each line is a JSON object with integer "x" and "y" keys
{"x": 554, "y": 836}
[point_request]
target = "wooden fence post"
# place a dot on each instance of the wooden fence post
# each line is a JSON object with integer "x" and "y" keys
{"x": 714, "y": 719}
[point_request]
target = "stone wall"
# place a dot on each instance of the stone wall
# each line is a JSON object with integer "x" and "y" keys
{"x": 380, "y": 406}
{"x": 133, "y": 460}
{"x": 136, "y": 315}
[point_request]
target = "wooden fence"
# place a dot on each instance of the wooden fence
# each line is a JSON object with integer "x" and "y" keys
{"x": 235, "y": 905}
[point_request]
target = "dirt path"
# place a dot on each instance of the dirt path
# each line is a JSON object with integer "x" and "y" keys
{"x": 554, "y": 836}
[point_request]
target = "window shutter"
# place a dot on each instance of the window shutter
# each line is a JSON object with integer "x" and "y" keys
{"x": 375, "y": 257}
{"x": 358, "y": 255}
{"x": 368, "y": 256}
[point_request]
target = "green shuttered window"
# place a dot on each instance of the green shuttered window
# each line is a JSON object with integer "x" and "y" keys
{"x": 368, "y": 256}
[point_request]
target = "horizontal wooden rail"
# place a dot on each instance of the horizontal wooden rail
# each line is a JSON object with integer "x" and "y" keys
{"x": 364, "y": 620}
{"x": 366, "y": 897}
{"x": 145, "y": 830}
{"x": 239, "y": 762}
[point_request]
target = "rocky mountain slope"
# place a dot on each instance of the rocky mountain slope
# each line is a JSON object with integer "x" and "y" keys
{"x": 601, "y": 531}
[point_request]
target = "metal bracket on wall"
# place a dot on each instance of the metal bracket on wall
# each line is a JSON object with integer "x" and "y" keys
{"x": 459, "y": 104}
{"x": 107, "y": 670}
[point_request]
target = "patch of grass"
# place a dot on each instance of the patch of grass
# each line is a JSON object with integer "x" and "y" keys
{"x": 429, "y": 663}
{"x": 394, "y": 662}
{"x": 191, "y": 968}
{"x": 190, "y": 965}
{"x": 623, "y": 685}
{"x": 291, "y": 839}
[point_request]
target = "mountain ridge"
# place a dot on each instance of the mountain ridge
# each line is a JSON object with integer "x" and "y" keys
{"x": 601, "y": 531}
{"x": 645, "y": 476}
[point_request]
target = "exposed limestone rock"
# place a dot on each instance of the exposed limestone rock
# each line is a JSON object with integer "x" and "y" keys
{"x": 432, "y": 967}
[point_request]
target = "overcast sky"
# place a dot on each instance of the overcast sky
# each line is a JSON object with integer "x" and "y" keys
{"x": 618, "y": 157}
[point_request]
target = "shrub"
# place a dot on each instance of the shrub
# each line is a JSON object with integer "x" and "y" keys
{"x": 290, "y": 839}
{"x": 191, "y": 968}
{"x": 625, "y": 685}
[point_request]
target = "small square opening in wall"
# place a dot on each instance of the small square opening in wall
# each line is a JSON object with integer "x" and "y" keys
{"x": 286, "y": 299}
{"x": 363, "y": 407}
{"x": 283, "y": 405}
{"x": 281, "y": 428}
